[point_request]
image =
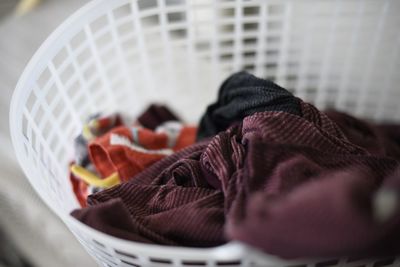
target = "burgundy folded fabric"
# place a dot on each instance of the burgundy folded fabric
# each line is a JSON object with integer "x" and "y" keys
{"x": 169, "y": 203}
{"x": 155, "y": 115}
{"x": 289, "y": 180}
{"x": 291, "y": 186}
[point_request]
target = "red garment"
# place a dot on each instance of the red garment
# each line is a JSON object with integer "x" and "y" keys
{"x": 186, "y": 137}
{"x": 80, "y": 189}
{"x": 109, "y": 158}
{"x": 168, "y": 133}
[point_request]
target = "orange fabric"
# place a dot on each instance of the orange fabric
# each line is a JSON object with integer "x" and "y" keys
{"x": 109, "y": 158}
{"x": 151, "y": 140}
{"x": 186, "y": 137}
{"x": 80, "y": 189}
{"x": 122, "y": 158}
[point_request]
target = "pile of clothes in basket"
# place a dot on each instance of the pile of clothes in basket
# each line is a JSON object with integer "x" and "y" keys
{"x": 262, "y": 167}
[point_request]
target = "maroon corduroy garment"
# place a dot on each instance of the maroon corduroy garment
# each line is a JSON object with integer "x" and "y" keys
{"x": 293, "y": 186}
{"x": 168, "y": 203}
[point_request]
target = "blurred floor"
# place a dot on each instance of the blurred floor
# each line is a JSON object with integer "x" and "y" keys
{"x": 6, "y": 7}
{"x": 28, "y": 223}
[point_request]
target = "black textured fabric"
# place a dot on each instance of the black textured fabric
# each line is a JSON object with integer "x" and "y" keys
{"x": 241, "y": 95}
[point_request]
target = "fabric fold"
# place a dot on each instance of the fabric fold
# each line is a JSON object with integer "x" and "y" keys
{"x": 273, "y": 172}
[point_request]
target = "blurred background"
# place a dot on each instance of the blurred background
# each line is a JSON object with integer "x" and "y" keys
{"x": 30, "y": 235}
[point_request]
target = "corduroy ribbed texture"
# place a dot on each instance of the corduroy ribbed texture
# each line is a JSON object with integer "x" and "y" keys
{"x": 169, "y": 203}
{"x": 290, "y": 184}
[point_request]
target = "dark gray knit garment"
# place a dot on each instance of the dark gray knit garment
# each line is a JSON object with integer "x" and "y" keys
{"x": 241, "y": 95}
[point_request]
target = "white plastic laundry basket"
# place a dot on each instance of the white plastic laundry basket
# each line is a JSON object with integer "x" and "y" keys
{"x": 120, "y": 55}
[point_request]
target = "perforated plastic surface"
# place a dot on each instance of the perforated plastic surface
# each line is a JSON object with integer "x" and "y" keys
{"x": 120, "y": 55}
